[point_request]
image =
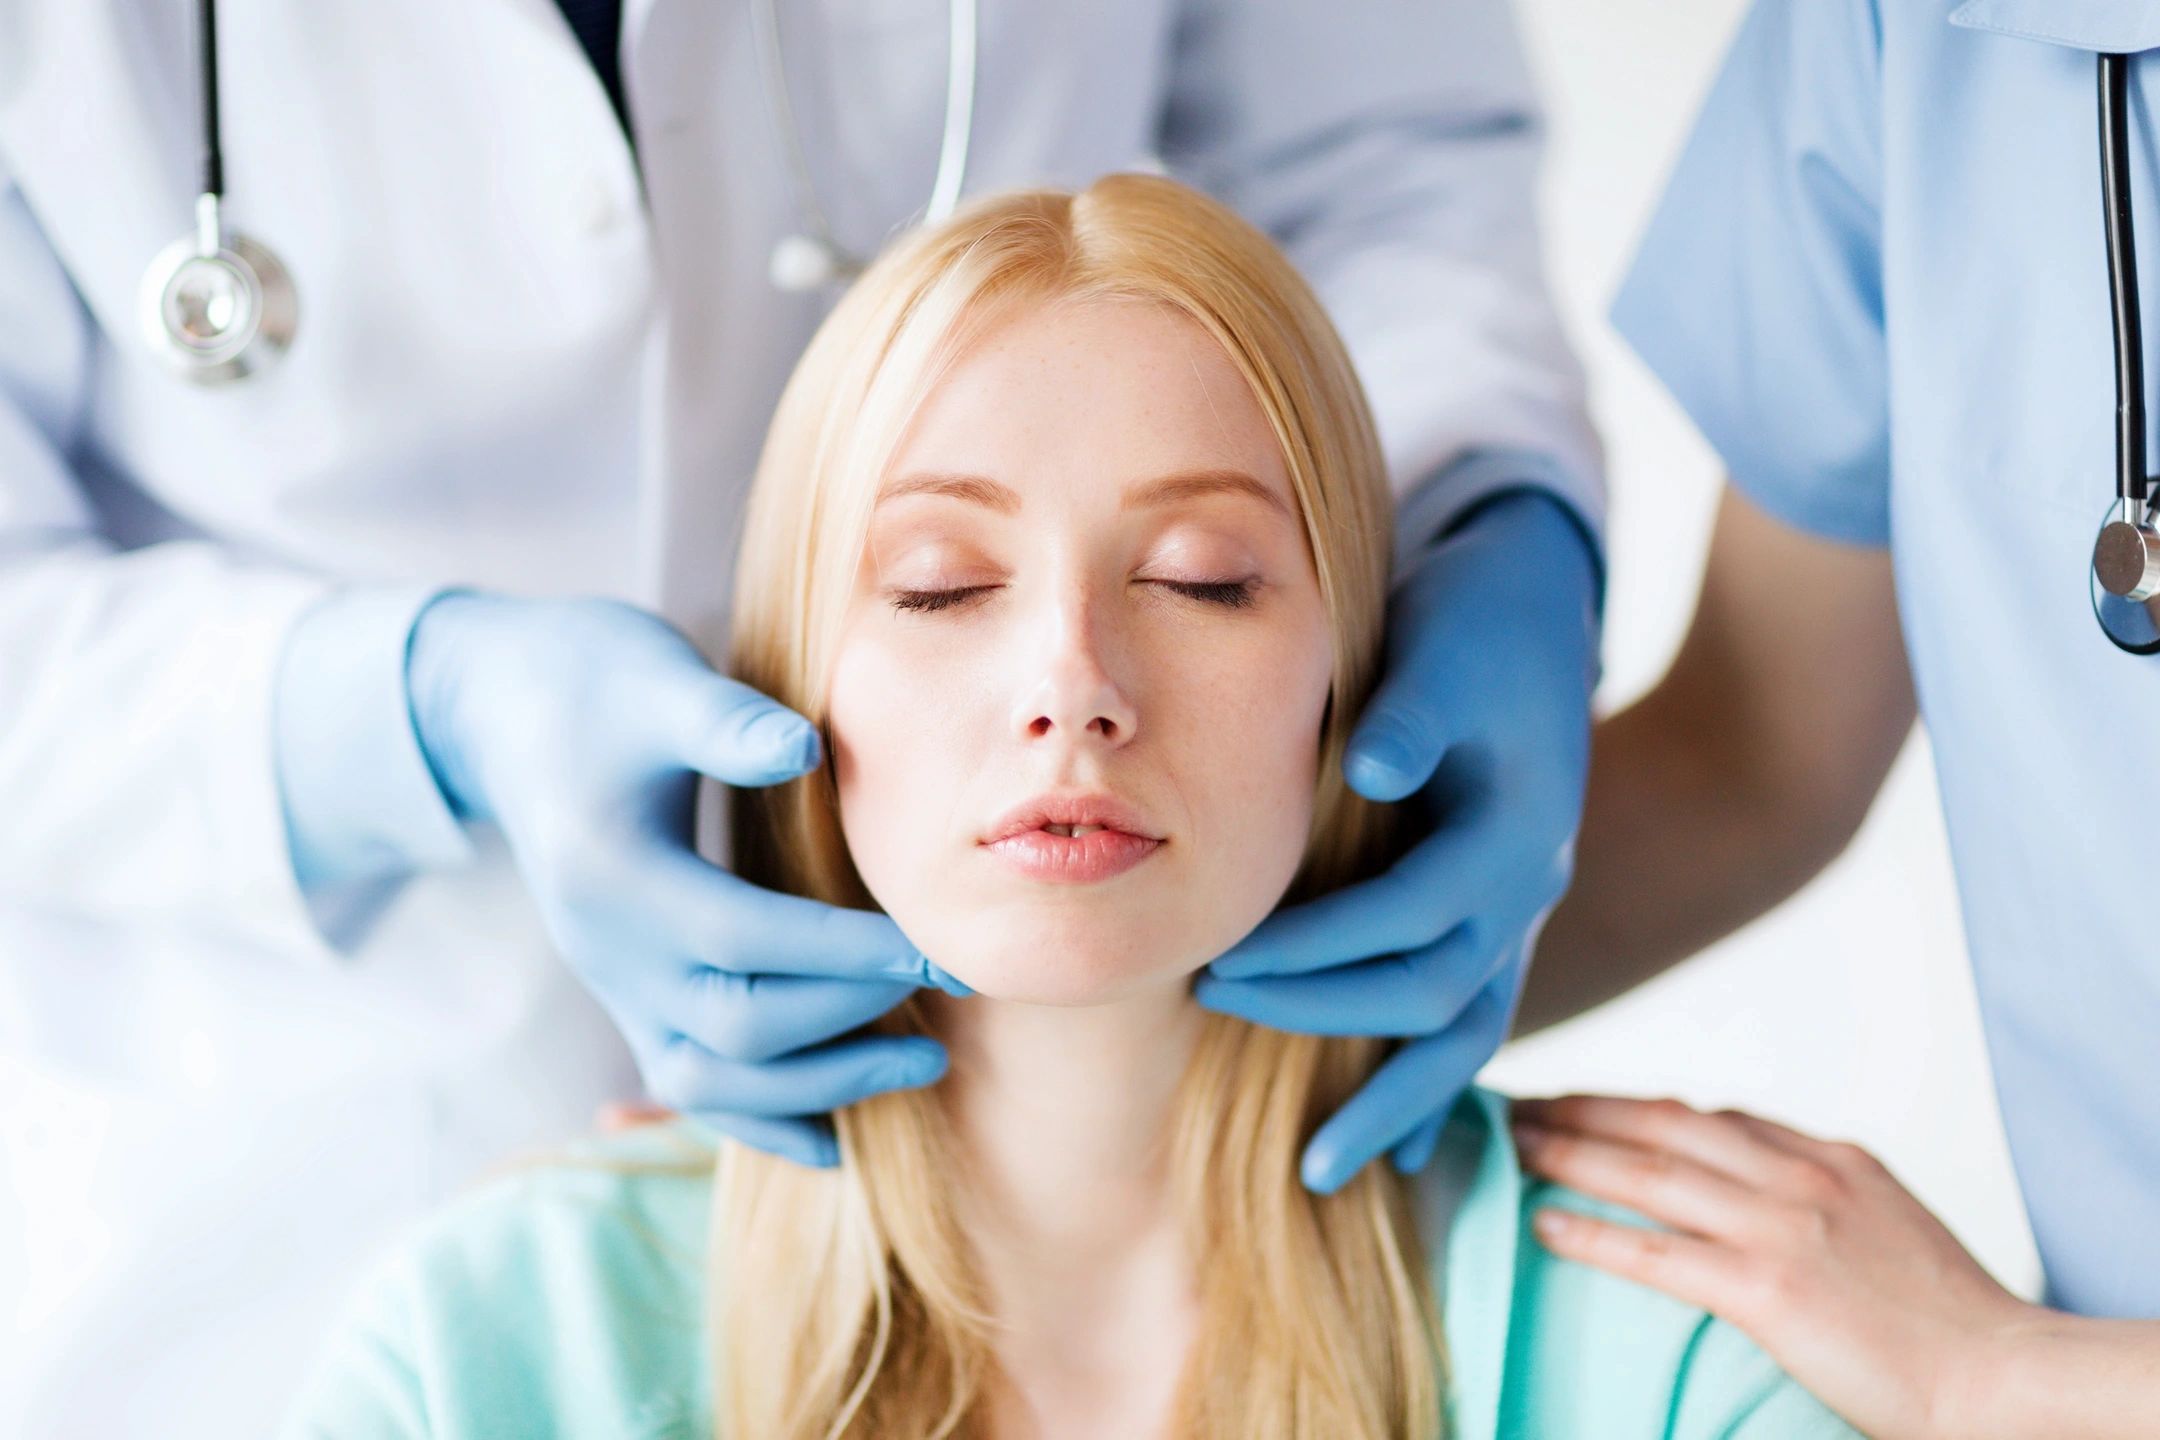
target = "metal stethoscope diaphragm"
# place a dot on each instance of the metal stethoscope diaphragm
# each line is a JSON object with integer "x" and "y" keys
{"x": 216, "y": 305}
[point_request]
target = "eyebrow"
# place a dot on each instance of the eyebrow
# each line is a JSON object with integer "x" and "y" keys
{"x": 1162, "y": 490}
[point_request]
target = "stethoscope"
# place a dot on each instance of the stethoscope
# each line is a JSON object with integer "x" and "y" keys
{"x": 218, "y": 305}
{"x": 2126, "y": 555}
{"x": 813, "y": 256}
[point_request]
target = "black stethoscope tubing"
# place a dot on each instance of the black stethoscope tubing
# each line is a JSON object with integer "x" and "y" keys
{"x": 2124, "y": 578}
{"x": 2130, "y": 480}
{"x": 213, "y": 149}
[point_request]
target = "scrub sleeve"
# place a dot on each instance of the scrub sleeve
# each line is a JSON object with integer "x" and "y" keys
{"x": 1756, "y": 292}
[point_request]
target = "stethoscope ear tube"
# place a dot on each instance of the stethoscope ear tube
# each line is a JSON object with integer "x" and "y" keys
{"x": 813, "y": 257}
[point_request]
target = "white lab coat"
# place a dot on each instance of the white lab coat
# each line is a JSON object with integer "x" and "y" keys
{"x": 515, "y": 367}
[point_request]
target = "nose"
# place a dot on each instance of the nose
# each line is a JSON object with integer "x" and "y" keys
{"x": 1073, "y": 689}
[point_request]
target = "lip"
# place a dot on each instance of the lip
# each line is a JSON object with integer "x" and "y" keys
{"x": 1125, "y": 840}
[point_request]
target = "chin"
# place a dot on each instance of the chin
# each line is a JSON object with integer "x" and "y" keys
{"x": 1068, "y": 986}
{"x": 1062, "y": 965}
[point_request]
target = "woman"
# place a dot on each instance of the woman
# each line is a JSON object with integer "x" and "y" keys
{"x": 1070, "y": 503}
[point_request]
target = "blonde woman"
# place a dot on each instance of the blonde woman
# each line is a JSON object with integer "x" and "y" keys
{"x": 1072, "y": 536}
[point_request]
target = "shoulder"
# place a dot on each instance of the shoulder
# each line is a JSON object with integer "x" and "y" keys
{"x": 1569, "y": 1350}
{"x": 562, "y": 1296}
{"x": 1592, "y": 1343}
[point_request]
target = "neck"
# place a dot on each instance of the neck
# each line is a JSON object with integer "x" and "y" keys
{"x": 1062, "y": 1115}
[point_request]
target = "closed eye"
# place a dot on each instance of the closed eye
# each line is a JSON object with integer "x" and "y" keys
{"x": 1235, "y": 594}
{"x": 924, "y": 600}
{"x": 1231, "y": 594}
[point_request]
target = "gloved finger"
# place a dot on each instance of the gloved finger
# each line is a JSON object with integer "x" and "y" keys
{"x": 1431, "y": 888}
{"x": 1414, "y": 1153}
{"x": 725, "y": 921}
{"x": 734, "y": 733}
{"x": 1418, "y": 1082}
{"x": 1415, "y": 712}
{"x": 807, "y": 1142}
{"x": 1398, "y": 995}
{"x": 686, "y": 1075}
{"x": 1398, "y": 741}
{"x": 755, "y": 1018}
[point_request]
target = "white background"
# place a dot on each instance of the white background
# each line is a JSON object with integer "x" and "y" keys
{"x": 1849, "y": 1011}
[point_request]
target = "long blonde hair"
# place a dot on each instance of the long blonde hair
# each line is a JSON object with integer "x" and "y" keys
{"x": 847, "y": 1302}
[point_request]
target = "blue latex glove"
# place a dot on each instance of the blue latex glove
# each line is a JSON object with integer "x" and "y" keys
{"x": 1482, "y": 720}
{"x": 579, "y": 728}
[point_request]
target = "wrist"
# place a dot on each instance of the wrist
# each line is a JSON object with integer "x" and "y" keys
{"x": 1550, "y": 563}
{"x": 359, "y": 800}
{"x": 431, "y": 671}
{"x": 1555, "y": 538}
{"x": 1514, "y": 487}
{"x": 1999, "y": 1386}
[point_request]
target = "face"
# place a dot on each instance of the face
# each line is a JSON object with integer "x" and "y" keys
{"x": 1085, "y": 579}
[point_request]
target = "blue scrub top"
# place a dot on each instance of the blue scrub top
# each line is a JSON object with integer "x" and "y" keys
{"x": 1878, "y": 284}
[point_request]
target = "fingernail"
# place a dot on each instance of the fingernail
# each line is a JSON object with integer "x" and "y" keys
{"x": 950, "y": 983}
{"x": 1530, "y": 1138}
{"x": 785, "y": 738}
{"x": 1380, "y": 760}
{"x": 1319, "y": 1178}
{"x": 1551, "y": 1224}
{"x": 1235, "y": 965}
{"x": 914, "y": 967}
{"x": 922, "y": 1065}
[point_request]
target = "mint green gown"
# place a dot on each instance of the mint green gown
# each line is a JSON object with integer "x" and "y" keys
{"x": 567, "y": 1299}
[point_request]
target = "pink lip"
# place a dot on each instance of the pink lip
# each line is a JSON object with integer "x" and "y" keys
{"x": 1073, "y": 859}
{"x": 1021, "y": 838}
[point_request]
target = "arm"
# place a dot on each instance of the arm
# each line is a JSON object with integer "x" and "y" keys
{"x": 1742, "y": 773}
{"x": 1756, "y": 297}
{"x": 199, "y": 743}
{"x": 2050, "y": 1374}
{"x": 1392, "y": 151}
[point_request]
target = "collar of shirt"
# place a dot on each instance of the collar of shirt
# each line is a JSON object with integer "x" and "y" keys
{"x": 2116, "y": 26}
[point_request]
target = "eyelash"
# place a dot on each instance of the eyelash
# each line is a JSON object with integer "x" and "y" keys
{"x": 1230, "y": 594}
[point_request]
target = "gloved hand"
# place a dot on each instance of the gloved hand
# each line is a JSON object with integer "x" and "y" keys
{"x": 1482, "y": 719}
{"x": 579, "y": 728}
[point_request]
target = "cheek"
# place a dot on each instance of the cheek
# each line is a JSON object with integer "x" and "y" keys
{"x": 1250, "y": 741}
{"x": 895, "y": 749}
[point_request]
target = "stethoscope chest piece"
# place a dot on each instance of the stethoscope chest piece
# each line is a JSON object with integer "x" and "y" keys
{"x": 2124, "y": 577}
{"x": 2125, "y": 581}
{"x": 218, "y": 315}
{"x": 2126, "y": 558}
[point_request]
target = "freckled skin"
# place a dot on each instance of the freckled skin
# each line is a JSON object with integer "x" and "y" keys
{"x": 1079, "y": 666}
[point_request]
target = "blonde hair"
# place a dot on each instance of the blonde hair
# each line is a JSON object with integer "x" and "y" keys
{"x": 847, "y": 1302}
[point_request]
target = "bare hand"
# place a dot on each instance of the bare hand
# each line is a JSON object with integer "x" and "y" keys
{"x": 1812, "y": 1248}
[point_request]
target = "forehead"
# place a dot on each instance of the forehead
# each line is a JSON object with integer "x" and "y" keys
{"x": 1093, "y": 392}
